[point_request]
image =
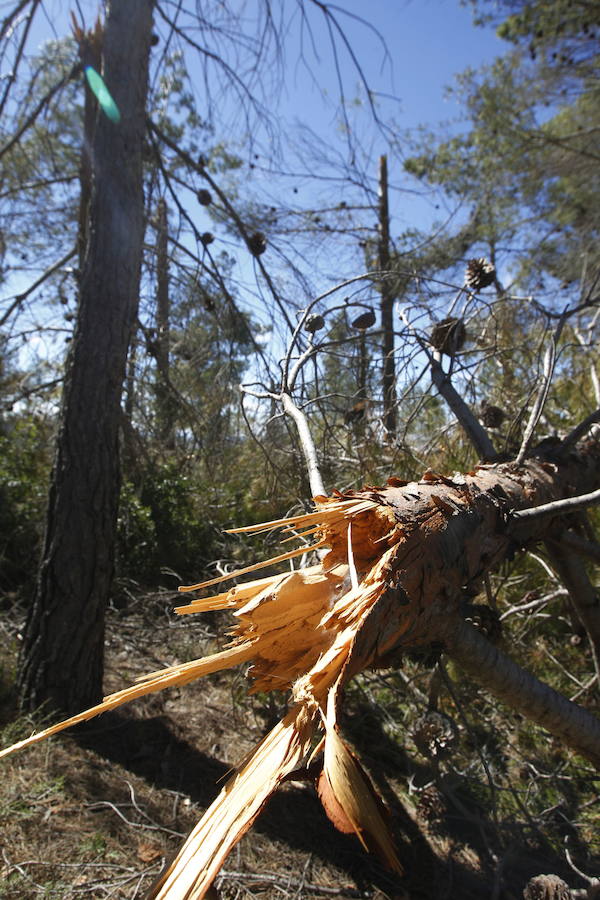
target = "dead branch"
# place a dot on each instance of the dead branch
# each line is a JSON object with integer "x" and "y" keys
{"x": 18, "y": 299}
{"x": 473, "y": 428}
{"x": 31, "y": 118}
{"x": 241, "y": 227}
{"x": 580, "y": 545}
{"x": 581, "y": 430}
{"x": 583, "y": 594}
{"x": 310, "y": 451}
{"x": 256, "y": 879}
{"x": 545, "y": 382}
{"x": 557, "y": 507}
{"x": 521, "y": 690}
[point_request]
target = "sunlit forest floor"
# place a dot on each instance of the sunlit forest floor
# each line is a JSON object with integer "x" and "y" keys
{"x": 95, "y": 814}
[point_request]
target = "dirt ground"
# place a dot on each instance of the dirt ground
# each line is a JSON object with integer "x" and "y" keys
{"x": 96, "y": 814}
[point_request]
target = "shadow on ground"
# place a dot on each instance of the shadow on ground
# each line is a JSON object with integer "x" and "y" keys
{"x": 152, "y": 748}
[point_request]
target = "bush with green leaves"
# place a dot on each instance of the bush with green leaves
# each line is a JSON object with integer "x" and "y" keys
{"x": 25, "y": 463}
{"x": 163, "y": 526}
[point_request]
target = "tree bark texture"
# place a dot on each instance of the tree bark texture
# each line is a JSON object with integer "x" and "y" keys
{"x": 62, "y": 656}
{"x": 521, "y": 691}
{"x": 90, "y": 54}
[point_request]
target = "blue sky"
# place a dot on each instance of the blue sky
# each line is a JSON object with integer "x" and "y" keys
{"x": 427, "y": 42}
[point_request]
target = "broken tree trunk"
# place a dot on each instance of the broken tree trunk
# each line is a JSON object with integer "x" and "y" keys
{"x": 399, "y": 559}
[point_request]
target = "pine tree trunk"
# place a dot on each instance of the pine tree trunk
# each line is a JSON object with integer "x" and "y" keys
{"x": 62, "y": 656}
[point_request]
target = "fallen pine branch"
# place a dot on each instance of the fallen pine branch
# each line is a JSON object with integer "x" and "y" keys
{"x": 521, "y": 690}
{"x": 398, "y": 558}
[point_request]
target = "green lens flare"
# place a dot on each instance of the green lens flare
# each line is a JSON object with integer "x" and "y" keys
{"x": 102, "y": 94}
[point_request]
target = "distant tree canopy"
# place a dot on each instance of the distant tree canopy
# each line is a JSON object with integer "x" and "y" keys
{"x": 527, "y": 162}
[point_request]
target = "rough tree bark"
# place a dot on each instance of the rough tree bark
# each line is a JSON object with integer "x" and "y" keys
{"x": 62, "y": 656}
{"x": 455, "y": 531}
{"x": 90, "y": 52}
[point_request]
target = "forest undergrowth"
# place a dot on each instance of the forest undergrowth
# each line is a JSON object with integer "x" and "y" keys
{"x": 480, "y": 800}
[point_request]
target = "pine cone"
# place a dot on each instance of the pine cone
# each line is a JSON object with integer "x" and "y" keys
{"x": 257, "y": 243}
{"x": 547, "y": 887}
{"x": 492, "y": 416}
{"x": 431, "y": 805}
{"x": 204, "y": 197}
{"x": 448, "y": 336}
{"x": 480, "y": 273}
{"x": 364, "y": 320}
{"x": 314, "y": 323}
{"x": 434, "y": 735}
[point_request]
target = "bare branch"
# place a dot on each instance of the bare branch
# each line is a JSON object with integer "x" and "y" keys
{"x": 583, "y": 594}
{"x": 534, "y": 604}
{"x": 32, "y": 287}
{"x": 307, "y": 443}
{"x": 591, "y": 549}
{"x": 557, "y": 507}
{"x": 12, "y": 15}
{"x": 471, "y": 425}
{"x": 19, "y": 54}
{"x": 580, "y": 430}
{"x": 473, "y": 428}
{"x": 201, "y": 170}
{"x": 31, "y": 118}
{"x": 538, "y": 406}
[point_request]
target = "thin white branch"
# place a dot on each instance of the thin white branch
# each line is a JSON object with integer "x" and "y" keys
{"x": 557, "y": 507}
{"x": 351, "y": 564}
{"x": 586, "y": 344}
{"x": 306, "y": 442}
{"x": 533, "y": 604}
